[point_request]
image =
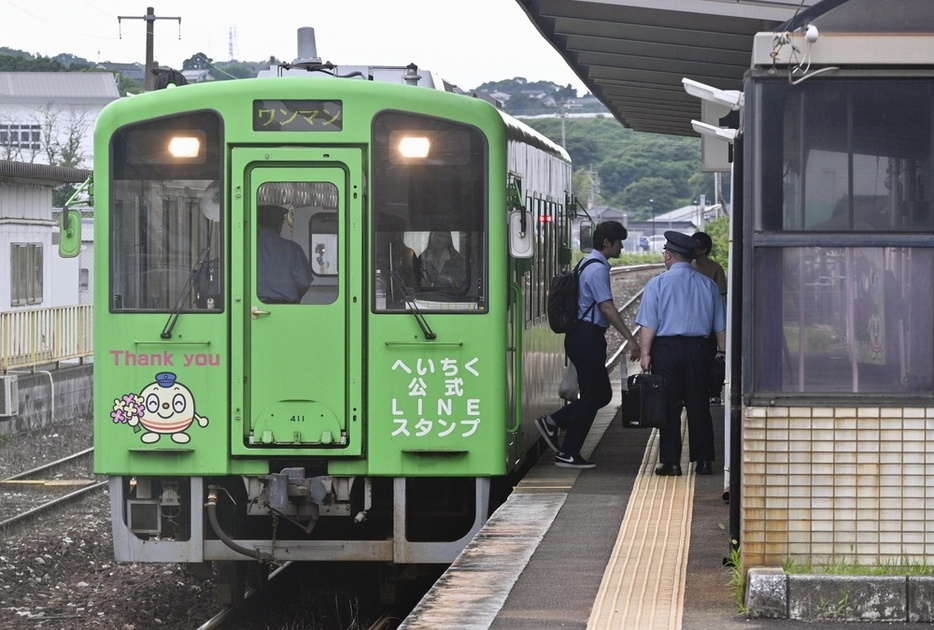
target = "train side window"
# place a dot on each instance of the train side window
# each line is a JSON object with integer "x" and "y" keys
{"x": 428, "y": 227}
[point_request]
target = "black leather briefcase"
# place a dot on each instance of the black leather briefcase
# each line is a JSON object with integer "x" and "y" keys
{"x": 644, "y": 401}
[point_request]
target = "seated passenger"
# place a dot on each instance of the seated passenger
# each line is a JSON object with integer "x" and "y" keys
{"x": 442, "y": 266}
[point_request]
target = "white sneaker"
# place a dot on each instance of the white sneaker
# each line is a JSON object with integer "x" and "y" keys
{"x": 572, "y": 461}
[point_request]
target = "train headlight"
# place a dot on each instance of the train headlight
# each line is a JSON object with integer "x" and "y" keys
{"x": 185, "y": 147}
{"x": 414, "y": 147}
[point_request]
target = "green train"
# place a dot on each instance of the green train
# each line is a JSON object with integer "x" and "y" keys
{"x": 320, "y": 329}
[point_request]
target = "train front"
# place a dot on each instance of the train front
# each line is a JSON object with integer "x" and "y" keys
{"x": 299, "y": 355}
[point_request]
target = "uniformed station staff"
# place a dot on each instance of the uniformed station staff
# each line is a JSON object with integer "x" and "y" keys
{"x": 680, "y": 308}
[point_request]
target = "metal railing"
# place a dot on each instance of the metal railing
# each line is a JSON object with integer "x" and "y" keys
{"x": 45, "y": 335}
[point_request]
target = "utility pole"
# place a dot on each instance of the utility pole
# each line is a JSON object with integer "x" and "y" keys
{"x": 150, "y": 17}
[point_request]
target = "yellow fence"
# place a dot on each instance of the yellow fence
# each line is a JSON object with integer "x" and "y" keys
{"x": 45, "y": 335}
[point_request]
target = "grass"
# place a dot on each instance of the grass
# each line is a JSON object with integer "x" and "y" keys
{"x": 844, "y": 566}
{"x": 897, "y": 566}
{"x": 737, "y": 576}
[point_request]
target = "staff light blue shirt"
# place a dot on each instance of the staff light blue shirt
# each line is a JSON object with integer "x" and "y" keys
{"x": 682, "y": 301}
{"x": 594, "y": 288}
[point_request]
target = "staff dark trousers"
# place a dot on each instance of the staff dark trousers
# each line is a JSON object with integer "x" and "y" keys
{"x": 683, "y": 361}
{"x": 586, "y": 347}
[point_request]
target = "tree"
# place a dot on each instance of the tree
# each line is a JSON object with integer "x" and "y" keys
{"x": 62, "y": 134}
{"x": 198, "y": 61}
{"x": 719, "y": 231}
{"x": 238, "y": 69}
{"x": 649, "y": 196}
{"x": 10, "y": 147}
{"x": 10, "y": 63}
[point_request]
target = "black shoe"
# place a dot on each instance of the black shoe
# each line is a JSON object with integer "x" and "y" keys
{"x": 668, "y": 470}
{"x": 704, "y": 467}
{"x": 572, "y": 461}
{"x": 549, "y": 430}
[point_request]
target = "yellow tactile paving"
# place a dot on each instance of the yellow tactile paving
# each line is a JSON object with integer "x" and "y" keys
{"x": 643, "y": 584}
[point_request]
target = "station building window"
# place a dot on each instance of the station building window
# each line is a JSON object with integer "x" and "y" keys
{"x": 25, "y": 274}
{"x": 842, "y": 239}
{"x": 17, "y": 138}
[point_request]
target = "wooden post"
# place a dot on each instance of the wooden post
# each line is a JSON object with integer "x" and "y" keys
{"x": 151, "y": 67}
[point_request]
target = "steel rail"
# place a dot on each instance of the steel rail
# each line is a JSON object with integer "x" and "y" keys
{"x": 50, "y": 504}
{"x": 51, "y": 464}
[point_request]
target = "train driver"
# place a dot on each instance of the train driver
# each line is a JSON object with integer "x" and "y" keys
{"x": 283, "y": 274}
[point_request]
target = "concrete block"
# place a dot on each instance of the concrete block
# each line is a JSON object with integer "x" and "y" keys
{"x": 847, "y": 598}
{"x": 921, "y": 599}
{"x": 766, "y": 594}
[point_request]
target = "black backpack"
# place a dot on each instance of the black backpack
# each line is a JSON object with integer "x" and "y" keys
{"x": 562, "y": 298}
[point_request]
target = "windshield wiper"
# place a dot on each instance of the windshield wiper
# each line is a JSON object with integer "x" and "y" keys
{"x": 413, "y": 307}
{"x": 184, "y": 293}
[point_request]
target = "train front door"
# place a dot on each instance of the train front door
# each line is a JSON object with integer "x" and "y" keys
{"x": 295, "y": 312}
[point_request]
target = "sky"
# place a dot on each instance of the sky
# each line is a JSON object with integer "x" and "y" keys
{"x": 466, "y": 42}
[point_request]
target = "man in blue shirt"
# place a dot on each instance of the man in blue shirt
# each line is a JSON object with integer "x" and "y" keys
{"x": 679, "y": 310}
{"x": 282, "y": 271}
{"x": 585, "y": 345}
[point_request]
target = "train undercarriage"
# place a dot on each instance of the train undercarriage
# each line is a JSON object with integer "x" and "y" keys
{"x": 290, "y": 517}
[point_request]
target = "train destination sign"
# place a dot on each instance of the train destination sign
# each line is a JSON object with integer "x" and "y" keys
{"x": 298, "y": 115}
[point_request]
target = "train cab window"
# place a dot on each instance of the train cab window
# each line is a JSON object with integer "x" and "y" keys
{"x": 428, "y": 229}
{"x": 840, "y": 242}
{"x": 166, "y": 223}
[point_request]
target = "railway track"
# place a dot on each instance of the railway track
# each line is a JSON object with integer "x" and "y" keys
{"x": 41, "y": 489}
{"x": 628, "y": 283}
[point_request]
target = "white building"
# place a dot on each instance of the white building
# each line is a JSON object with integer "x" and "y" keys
{"x": 36, "y": 277}
{"x": 48, "y": 116}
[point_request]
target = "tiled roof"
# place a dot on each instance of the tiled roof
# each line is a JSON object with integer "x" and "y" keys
{"x": 22, "y": 170}
{"x": 79, "y": 88}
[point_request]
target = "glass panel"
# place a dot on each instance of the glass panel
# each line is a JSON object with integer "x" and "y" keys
{"x": 35, "y": 266}
{"x": 297, "y": 255}
{"x": 25, "y": 273}
{"x": 323, "y": 231}
{"x": 166, "y": 220}
{"x": 846, "y": 156}
{"x": 429, "y": 223}
{"x": 17, "y": 274}
{"x": 852, "y": 320}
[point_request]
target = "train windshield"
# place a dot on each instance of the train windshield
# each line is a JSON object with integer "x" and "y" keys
{"x": 165, "y": 216}
{"x": 429, "y": 214}
{"x": 842, "y": 247}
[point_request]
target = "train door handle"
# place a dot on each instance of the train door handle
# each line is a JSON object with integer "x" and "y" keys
{"x": 255, "y": 312}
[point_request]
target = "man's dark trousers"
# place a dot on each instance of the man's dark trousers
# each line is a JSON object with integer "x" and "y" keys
{"x": 586, "y": 347}
{"x": 684, "y": 362}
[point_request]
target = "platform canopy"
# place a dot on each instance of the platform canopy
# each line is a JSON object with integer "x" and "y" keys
{"x": 632, "y": 54}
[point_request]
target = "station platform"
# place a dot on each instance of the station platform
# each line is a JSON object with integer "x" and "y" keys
{"x": 610, "y": 547}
